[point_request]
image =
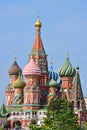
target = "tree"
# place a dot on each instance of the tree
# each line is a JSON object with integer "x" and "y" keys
{"x": 60, "y": 116}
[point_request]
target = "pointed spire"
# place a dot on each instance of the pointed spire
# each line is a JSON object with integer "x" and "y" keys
{"x": 77, "y": 94}
{"x": 38, "y": 48}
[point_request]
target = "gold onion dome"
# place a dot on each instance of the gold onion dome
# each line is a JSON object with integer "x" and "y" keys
{"x": 53, "y": 83}
{"x": 67, "y": 70}
{"x": 38, "y": 23}
{"x": 19, "y": 83}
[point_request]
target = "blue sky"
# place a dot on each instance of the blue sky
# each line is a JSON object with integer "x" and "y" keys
{"x": 64, "y": 25}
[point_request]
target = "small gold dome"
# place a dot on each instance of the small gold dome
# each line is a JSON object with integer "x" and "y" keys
{"x": 38, "y": 23}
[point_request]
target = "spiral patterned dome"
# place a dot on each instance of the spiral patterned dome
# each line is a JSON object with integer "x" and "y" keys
{"x": 19, "y": 83}
{"x": 67, "y": 69}
{"x": 53, "y": 83}
{"x": 31, "y": 69}
{"x": 14, "y": 69}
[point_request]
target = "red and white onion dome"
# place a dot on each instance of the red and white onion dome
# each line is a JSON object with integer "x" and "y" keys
{"x": 31, "y": 68}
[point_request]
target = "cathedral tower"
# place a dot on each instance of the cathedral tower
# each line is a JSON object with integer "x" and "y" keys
{"x": 39, "y": 55}
{"x": 77, "y": 94}
{"x": 66, "y": 72}
{"x": 18, "y": 85}
{"x": 13, "y": 74}
{"x": 32, "y": 73}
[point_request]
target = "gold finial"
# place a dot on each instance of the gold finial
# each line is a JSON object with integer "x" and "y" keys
{"x": 15, "y": 55}
{"x": 38, "y": 23}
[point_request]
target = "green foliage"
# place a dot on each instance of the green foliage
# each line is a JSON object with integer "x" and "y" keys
{"x": 60, "y": 116}
{"x": 1, "y": 128}
{"x": 3, "y": 109}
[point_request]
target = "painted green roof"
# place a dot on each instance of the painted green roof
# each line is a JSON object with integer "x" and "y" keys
{"x": 67, "y": 69}
{"x": 53, "y": 83}
{"x": 19, "y": 83}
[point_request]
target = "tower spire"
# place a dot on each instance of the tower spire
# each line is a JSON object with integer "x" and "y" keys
{"x": 77, "y": 94}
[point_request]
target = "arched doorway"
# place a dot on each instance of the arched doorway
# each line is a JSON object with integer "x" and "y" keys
{"x": 7, "y": 124}
{"x": 17, "y": 124}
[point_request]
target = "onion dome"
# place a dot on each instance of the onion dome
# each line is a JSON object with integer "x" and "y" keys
{"x": 52, "y": 74}
{"x": 14, "y": 69}
{"x": 53, "y": 83}
{"x": 38, "y": 23}
{"x": 67, "y": 69}
{"x": 31, "y": 68}
{"x": 19, "y": 83}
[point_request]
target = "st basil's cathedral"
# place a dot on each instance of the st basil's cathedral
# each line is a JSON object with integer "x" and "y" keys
{"x": 26, "y": 100}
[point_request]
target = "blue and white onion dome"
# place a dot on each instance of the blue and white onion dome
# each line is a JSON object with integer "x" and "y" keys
{"x": 52, "y": 74}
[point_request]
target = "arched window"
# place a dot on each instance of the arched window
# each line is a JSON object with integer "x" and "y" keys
{"x": 73, "y": 104}
{"x": 17, "y": 113}
{"x": 78, "y": 104}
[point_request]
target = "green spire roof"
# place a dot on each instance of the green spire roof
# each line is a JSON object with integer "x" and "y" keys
{"x": 19, "y": 83}
{"x": 67, "y": 69}
{"x": 53, "y": 83}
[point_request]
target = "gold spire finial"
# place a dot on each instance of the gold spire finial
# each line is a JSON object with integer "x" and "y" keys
{"x": 38, "y": 23}
{"x": 15, "y": 55}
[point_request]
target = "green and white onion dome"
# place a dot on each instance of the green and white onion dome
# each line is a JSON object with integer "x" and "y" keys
{"x": 67, "y": 70}
{"x": 19, "y": 83}
{"x": 53, "y": 83}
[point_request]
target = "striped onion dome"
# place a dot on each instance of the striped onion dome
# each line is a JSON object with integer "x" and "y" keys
{"x": 67, "y": 69}
{"x": 31, "y": 68}
{"x": 14, "y": 69}
{"x": 19, "y": 83}
{"x": 53, "y": 83}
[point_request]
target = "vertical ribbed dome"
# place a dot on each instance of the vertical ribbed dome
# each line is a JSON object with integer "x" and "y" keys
{"x": 14, "y": 69}
{"x": 67, "y": 69}
{"x": 31, "y": 68}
